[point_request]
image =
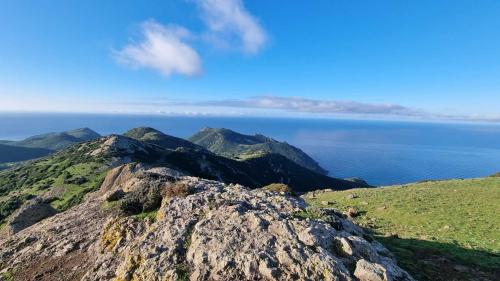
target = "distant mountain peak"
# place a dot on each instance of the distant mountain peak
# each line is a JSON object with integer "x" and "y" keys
{"x": 141, "y": 131}
{"x": 151, "y": 135}
{"x": 228, "y": 143}
{"x": 57, "y": 140}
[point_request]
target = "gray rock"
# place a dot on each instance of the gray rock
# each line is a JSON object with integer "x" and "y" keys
{"x": 367, "y": 271}
{"x": 219, "y": 232}
{"x": 32, "y": 212}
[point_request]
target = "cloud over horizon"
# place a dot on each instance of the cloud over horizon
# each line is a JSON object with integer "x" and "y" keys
{"x": 305, "y": 105}
{"x": 162, "y": 48}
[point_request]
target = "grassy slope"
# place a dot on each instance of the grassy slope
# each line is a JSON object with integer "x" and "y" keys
{"x": 56, "y": 176}
{"x": 457, "y": 220}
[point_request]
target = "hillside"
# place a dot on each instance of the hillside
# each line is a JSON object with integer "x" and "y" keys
{"x": 10, "y": 153}
{"x": 441, "y": 230}
{"x": 57, "y": 141}
{"x": 234, "y": 145}
{"x": 65, "y": 177}
{"x": 153, "y": 224}
{"x": 154, "y": 136}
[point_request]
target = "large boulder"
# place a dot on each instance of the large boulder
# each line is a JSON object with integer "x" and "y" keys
{"x": 30, "y": 213}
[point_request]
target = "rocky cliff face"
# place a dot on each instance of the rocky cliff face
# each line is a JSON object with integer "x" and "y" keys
{"x": 203, "y": 230}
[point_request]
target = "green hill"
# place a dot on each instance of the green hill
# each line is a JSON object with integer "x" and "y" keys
{"x": 234, "y": 145}
{"x": 264, "y": 169}
{"x": 441, "y": 230}
{"x": 57, "y": 141}
{"x": 154, "y": 136}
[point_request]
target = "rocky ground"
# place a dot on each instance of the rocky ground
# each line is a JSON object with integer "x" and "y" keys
{"x": 203, "y": 230}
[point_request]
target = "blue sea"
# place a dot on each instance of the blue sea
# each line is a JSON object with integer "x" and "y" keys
{"x": 381, "y": 152}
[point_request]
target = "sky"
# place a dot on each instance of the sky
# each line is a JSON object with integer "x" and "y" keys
{"x": 415, "y": 59}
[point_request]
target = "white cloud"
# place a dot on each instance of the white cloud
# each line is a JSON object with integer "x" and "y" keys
{"x": 162, "y": 48}
{"x": 230, "y": 24}
{"x": 298, "y": 104}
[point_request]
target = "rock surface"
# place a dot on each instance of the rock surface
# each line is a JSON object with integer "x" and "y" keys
{"x": 32, "y": 212}
{"x": 217, "y": 232}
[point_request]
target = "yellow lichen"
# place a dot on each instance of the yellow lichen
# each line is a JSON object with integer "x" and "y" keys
{"x": 160, "y": 215}
{"x": 111, "y": 235}
{"x": 132, "y": 263}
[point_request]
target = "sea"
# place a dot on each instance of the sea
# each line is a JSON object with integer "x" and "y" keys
{"x": 380, "y": 152}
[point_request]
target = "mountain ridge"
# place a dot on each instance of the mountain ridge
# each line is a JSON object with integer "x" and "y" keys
{"x": 228, "y": 143}
{"x": 157, "y": 137}
{"x": 55, "y": 140}
{"x": 66, "y": 176}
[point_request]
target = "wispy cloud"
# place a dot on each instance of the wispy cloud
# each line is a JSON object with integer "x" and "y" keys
{"x": 164, "y": 49}
{"x": 231, "y": 25}
{"x": 298, "y": 104}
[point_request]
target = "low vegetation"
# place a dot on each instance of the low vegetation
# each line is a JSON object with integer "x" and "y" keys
{"x": 434, "y": 228}
{"x": 151, "y": 215}
{"x": 63, "y": 178}
{"x": 278, "y": 187}
{"x": 142, "y": 199}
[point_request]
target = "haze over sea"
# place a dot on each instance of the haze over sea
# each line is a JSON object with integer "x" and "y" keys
{"x": 381, "y": 152}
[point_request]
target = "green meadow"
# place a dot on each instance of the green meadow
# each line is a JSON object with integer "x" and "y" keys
{"x": 436, "y": 228}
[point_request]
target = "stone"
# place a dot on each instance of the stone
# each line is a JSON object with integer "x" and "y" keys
{"x": 351, "y": 196}
{"x": 32, "y": 212}
{"x": 216, "y": 232}
{"x": 367, "y": 271}
{"x": 352, "y": 212}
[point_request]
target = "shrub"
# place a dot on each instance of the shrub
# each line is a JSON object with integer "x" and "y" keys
{"x": 278, "y": 187}
{"x": 143, "y": 199}
{"x": 177, "y": 189}
{"x": 131, "y": 205}
{"x": 79, "y": 180}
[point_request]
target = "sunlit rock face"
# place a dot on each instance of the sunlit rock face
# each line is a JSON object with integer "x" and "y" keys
{"x": 202, "y": 230}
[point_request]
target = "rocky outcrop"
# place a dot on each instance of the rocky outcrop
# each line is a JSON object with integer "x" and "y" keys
{"x": 32, "y": 212}
{"x": 214, "y": 232}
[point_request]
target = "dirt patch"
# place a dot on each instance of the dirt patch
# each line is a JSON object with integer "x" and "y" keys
{"x": 68, "y": 267}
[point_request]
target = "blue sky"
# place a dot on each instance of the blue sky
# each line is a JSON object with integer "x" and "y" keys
{"x": 401, "y": 59}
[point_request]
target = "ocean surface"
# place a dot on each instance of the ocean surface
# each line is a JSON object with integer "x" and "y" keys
{"x": 381, "y": 152}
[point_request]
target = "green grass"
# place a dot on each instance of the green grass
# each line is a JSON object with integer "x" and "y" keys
{"x": 73, "y": 194}
{"x": 7, "y": 276}
{"x": 145, "y": 215}
{"x": 456, "y": 219}
{"x": 309, "y": 213}
{"x": 67, "y": 176}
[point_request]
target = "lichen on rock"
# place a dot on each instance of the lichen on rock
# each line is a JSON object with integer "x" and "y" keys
{"x": 213, "y": 232}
